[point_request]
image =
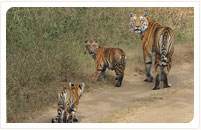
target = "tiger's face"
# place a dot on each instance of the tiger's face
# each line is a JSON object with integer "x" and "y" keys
{"x": 91, "y": 46}
{"x": 139, "y": 23}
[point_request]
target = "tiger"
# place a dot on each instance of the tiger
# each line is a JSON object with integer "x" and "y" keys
{"x": 68, "y": 100}
{"x": 107, "y": 58}
{"x": 156, "y": 40}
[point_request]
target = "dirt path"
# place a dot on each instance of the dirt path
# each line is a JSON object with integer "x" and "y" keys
{"x": 136, "y": 102}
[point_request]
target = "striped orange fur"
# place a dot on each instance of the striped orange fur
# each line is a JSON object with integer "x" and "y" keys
{"x": 157, "y": 40}
{"x": 68, "y": 100}
{"x": 107, "y": 58}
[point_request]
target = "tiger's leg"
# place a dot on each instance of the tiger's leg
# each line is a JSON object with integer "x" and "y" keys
{"x": 69, "y": 116}
{"x": 120, "y": 75}
{"x": 148, "y": 66}
{"x": 66, "y": 117}
{"x": 119, "y": 79}
{"x": 158, "y": 72}
{"x": 102, "y": 74}
{"x": 75, "y": 118}
{"x": 73, "y": 113}
{"x": 165, "y": 79}
{"x": 95, "y": 77}
{"x": 166, "y": 72}
{"x": 119, "y": 70}
{"x": 99, "y": 69}
{"x": 158, "y": 79}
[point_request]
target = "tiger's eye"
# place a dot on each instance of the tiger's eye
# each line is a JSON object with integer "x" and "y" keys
{"x": 134, "y": 19}
{"x": 141, "y": 18}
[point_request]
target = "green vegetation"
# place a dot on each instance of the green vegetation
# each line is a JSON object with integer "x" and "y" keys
{"x": 45, "y": 49}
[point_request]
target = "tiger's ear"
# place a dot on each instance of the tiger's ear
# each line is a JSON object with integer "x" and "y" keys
{"x": 82, "y": 85}
{"x": 130, "y": 14}
{"x": 96, "y": 40}
{"x": 71, "y": 84}
{"x": 85, "y": 41}
{"x": 145, "y": 13}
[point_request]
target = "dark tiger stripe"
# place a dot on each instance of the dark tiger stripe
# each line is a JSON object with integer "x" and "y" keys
{"x": 149, "y": 62}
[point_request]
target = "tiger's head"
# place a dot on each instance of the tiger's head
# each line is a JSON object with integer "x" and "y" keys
{"x": 139, "y": 23}
{"x": 63, "y": 97}
{"x": 78, "y": 87}
{"x": 91, "y": 46}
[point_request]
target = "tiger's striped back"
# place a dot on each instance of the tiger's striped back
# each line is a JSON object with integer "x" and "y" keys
{"x": 107, "y": 58}
{"x": 114, "y": 56}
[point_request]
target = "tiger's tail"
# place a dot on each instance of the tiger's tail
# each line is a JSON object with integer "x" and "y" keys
{"x": 59, "y": 113}
{"x": 165, "y": 44}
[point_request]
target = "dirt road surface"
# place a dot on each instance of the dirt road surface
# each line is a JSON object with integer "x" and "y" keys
{"x": 136, "y": 102}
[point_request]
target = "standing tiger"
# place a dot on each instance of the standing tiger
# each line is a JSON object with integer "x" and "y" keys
{"x": 111, "y": 58}
{"x": 68, "y": 101}
{"x": 157, "y": 40}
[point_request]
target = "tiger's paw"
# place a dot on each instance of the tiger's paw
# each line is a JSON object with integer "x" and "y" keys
{"x": 70, "y": 120}
{"x": 75, "y": 119}
{"x": 156, "y": 88}
{"x": 148, "y": 80}
{"x": 118, "y": 84}
{"x": 53, "y": 121}
{"x": 166, "y": 85}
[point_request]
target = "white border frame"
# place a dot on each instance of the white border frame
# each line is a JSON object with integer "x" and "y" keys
{"x": 193, "y": 124}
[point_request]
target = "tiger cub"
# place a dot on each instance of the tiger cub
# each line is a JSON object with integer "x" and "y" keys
{"x": 107, "y": 58}
{"x": 68, "y": 101}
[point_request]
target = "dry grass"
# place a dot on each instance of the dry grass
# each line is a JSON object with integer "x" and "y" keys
{"x": 45, "y": 49}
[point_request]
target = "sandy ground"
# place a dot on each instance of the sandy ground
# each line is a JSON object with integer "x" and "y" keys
{"x": 174, "y": 106}
{"x": 135, "y": 101}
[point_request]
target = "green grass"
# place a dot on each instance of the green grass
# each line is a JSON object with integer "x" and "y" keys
{"x": 45, "y": 48}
